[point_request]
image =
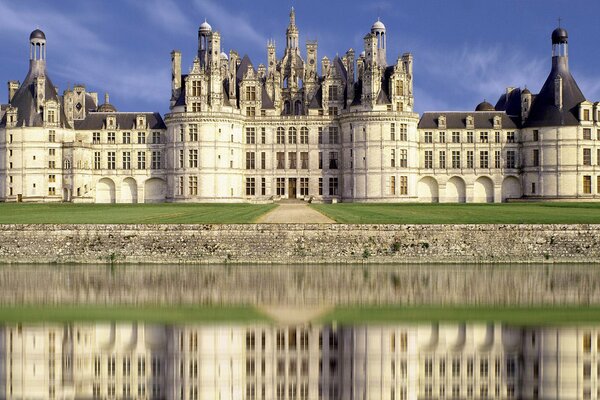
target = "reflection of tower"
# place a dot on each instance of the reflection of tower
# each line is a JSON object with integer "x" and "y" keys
{"x": 203, "y": 35}
{"x": 378, "y": 29}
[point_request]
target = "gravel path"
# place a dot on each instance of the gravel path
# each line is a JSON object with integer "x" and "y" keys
{"x": 296, "y": 213}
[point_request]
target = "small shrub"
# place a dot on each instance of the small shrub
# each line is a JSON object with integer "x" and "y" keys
{"x": 366, "y": 254}
{"x": 396, "y": 247}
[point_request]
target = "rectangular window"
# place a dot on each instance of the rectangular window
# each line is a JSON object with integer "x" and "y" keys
{"x": 196, "y": 107}
{"x": 292, "y": 135}
{"x": 51, "y": 191}
{"x": 334, "y": 135}
{"x": 442, "y": 159}
{"x": 193, "y": 158}
{"x": 510, "y": 137}
{"x": 511, "y": 159}
{"x": 263, "y": 160}
{"x": 428, "y": 137}
{"x": 333, "y": 93}
{"x": 141, "y": 138}
{"x": 587, "y": 156}
{"x": 403, "y": 158}
{"x": 181, "y": 133}
{"x": 587, "y": 134}
{"x": 111, "y": 160}
{"x": 155, "y": 160}
{"x": 141, "y": 159}
{"x": 250, "y": 160}
{"x": 470, "y": 159}
{"x": 392, "y": 184}
{"x": 497, "y": 159}
{"x": 250, "y": 93}
{"x": 403, "y": 132}
{"x": 263, "y": 186}
{"x": 333, "y": 110}
{"x": 51, "y": 136}
{"x": 455, "y": 137}
{"x": 51, "y": 178}
{"x": 333, "y": 186}
{"x": 96, "y": 137}
{"x": 393, "y": 158}
{"x": 320, "y": 186}
{"x": 292, "y": 157}
{"x": 280, "y": 135}
{"x": 497, "y": 137}
{"x": 587, "y": 184}
{"x": 303, "y": 186}
{"x": 598, "y": 191}
{"x": 126, "y": 137}
{"x": 536, "y": 135}
{"x": 111, "y": 137}
{"x": 196, "y": 88}
{"x": 586, "y": 115}
{"x": 536, "y": 158}
{"x": 126, "y": 160}
{"x": 442, "y": 136}
{"x": 280, "y": 160}
{"x": 484, "y": 159}
{"x": 304, "y": 160}
{"x": 470, "y": 137}
{"x": 263, "y": 135}
{"x": 251, "y": 111}
{"x": 180, "y": 186}
{"x": 404, "y": 185}
{"x": 181, "y": 159}
{"x": 250, "y": 186}
{"x": 456, "y": 159}
{"x": 280, "y": 186}
{"x": 97, "y": 160}
{"x": 193, "y": 185}
{"x": 304, "y": 135}
{"x": 193, "y": 132}
{"x": 392, "y": 131}
{"x": 428, "y": 159}
{"x": 483, "y": 137}
{"x": 320, "y": 160}
{"x": 333, "y": 160}
{"x": 155, "y": 137}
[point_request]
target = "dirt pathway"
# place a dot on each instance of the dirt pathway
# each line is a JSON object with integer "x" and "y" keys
{"x": 294, "y": 213}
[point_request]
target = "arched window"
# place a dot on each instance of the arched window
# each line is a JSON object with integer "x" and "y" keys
{"x": 304, "y": 135}
{"x": 67, "y": 164}
{"x": 286, "y": 108}
{"x": 280, "y": 135}
{"x": 292, "y": 135}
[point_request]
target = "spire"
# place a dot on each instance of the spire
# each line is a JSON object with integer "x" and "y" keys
{"x": 106, "y": 98}
{"x": 292, "y": 32}
{"x": 292, "y": 17}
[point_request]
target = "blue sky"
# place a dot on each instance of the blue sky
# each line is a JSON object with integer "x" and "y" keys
{"x": 464, "y": 50}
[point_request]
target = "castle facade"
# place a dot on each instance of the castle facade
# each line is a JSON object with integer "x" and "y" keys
{"x": 240, "y": 133}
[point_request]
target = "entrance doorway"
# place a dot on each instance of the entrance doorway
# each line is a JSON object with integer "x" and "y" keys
{"x": 292, "y": 188}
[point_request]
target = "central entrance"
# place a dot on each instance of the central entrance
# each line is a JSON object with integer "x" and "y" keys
{"x": 292, "y": 188}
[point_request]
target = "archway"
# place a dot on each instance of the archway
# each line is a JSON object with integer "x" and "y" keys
{"x": 129, "y": 191}
{"x": 511, "y": 188}
{"x": 155, "y": 190}
{"x": 427, "y": 190}
{"x": 105, "y": 191}
{"x": 483, "y": 190}
{"x": 456, "y": 190}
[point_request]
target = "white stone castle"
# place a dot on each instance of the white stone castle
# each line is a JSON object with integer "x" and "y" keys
{"x": 240, "y": 133}
{"x": 306, "y": 362}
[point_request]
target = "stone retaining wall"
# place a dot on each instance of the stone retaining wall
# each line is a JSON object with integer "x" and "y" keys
{"x": 298, "y": 243}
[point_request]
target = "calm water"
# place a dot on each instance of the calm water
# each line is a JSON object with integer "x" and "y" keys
{"x": 189, "y": 361}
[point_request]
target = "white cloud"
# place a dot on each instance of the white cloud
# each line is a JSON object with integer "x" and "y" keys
{"x": 166, "y": 14}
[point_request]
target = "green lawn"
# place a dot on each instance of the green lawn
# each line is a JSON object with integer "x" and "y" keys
{"x": 547, "y": 315}
{"x": 511, "y": 213}
{"x": 14, "y": 213}
{"x": 158, "y": 314}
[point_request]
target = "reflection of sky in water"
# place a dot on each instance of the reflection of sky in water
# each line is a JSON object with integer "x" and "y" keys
{"x": 235, "y": 361}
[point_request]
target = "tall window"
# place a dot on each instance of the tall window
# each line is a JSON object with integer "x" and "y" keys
{"x": 403, "y": 158}
{"x": 111, "y": 160}
{"x": 280, "y": 135}
{"x": 497, "y": 137}
{"x": 497, "y": 159}
{"x": 510, "y": 137}
{"x": 126, "y": 137}
{"x": 250, "y": 93}
{"x": 333, "y": 186}
{"x": 428, "y": 159}
{"x": 250, "y": 186}
{"x": 392, "y": 131}
{"x": 320, "y": 160}
{"x": 404, "y": 185}
{"x": 587, "y": 184}
{"x": 442, "y": 159}
{"x": 470, "y": 159}
{"x": 511, "y": 159}
{"x": 333, "y": 160}
{"x": 250, "y": 135}
{"x": 280, "y": 160}
{"x": 193, "y": 132}
{"x": 536, "y": 158}
{"x": 392, "y": 184}
{"x": 155, "y": 137}
{"x": 587, "y": 156}
{"x": 126, "y": 160}
{"x": 280, "y": 182}
{"x": 155, "y": 160}
{"x": 442, "y": 136}
{"x": 196, "y": 88}
{"x": 141, "y": 160}
{"x": 320, "y": 135}
{"x": 263, "y": 160}
{"x": 455, "y": 137}
{"x": 304, "y": 135}
{"x": 334, "y": 135}
{"x": 469, "y": 137}
{"x": 193, "y": 185}
{"x": 263, "y": 135}
{"x": 250, "y": 160}
{"x": 483, "y": 137}
{"x": 141, "y": 138}
{"x": 303, "y": 186}
{"x": 403, "y": 132}
{"x": 111, "y": 137}
{"x": 320, "y": 186}
{"x": 193, "y": 158}
{"x": 333, "y": 93}
{"x": 484, "y": 159}
{"x": 304, "y": 160}
{"x": 536, "y": 135}
{"x": 97, "y": 160}
{"x": 393, "y": 158}
{"x": 52, "y": 136}
{"x": 96, "y": 137}
{"x": 428, "y": 137}
{"x": 292, "y": 135}
{"x": 292, "y": 158}
{"x": 181, "y": 159}
{"x": 456, "y": 159}
{"x": 180, "y": 186}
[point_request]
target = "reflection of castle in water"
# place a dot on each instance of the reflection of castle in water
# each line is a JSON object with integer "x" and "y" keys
{"x": 231, "y": 362}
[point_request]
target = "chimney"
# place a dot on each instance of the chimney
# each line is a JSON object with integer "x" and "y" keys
{"x": 175, "y": 73}
{"x": 13, "y": 86}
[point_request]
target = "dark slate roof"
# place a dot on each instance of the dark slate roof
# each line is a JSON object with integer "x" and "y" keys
{"x": 543, "y": 111}
{"x": 90, "y": 103}
{"x": 317, "y": 101}
{"x": 125, "y": 120}
{"x": 265, "y": 99}
{"x": 181, "y": 99}
{"x": 511, "y": 103}
{"x": 457, "y": 120}
{"x": 341, "y": 70}
{"x": 24, "y": 97}
{"x": 243, "y": 67}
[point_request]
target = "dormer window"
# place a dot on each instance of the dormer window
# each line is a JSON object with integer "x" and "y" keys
{"x": 141, "y": 122}
{"x": 251, "y": 93}
{"x": 51, "y": 116}
{"x": 111, "y": 122}
{"x": 586, "y": 115}
{"x": 442, "y": 122}
{"x": 333, "y": 93}
{"x": 497, "y": 122}
{"x": 195, "y": 88}
{"x": 469, "y": 122}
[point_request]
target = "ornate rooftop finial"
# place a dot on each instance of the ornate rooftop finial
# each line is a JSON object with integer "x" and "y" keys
{"x": 106, "y": 98}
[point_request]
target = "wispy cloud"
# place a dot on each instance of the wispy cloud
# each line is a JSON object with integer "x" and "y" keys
{"x": 239, "y": 27}
{"x": 165, "y": 14}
